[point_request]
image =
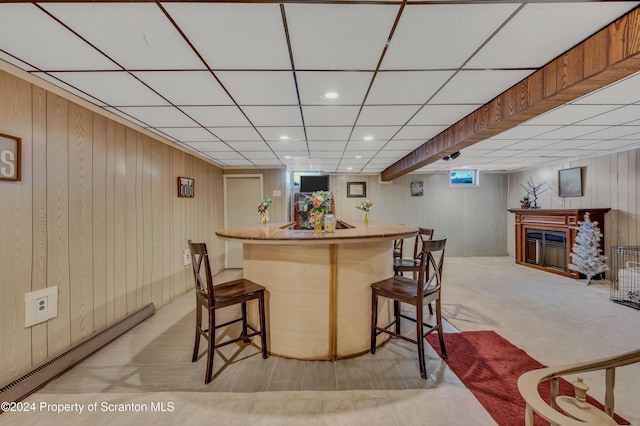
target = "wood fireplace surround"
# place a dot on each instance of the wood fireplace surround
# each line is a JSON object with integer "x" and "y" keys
{"x": 544, "y": 237}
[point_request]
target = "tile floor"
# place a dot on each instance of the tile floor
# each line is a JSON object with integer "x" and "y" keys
{"x": 555, "y": 319}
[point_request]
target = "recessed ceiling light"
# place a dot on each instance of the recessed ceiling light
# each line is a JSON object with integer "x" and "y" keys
{"x": 331, "y": 95}
{"x": 349, "y": 168}
{"x": 358, "y": 156}
{"x": 287, "y": 156}
{"x": 284, "y": 138}
{"x": 368, "y": 138}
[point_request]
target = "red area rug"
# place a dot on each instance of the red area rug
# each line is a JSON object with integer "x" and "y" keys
{"x": 489, "y": 366}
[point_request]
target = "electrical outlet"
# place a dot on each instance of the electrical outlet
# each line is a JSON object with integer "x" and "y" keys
{"x": 40, "y": 305}
{"x": 186, "y": 257}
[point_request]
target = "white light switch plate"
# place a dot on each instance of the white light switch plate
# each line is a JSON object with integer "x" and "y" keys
{"x": 186, "y": 257}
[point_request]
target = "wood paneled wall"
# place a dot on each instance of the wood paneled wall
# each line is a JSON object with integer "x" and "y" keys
{"x": 609, "y": 181}
{"x": 96, "y": 214}
{"x": 473, "y": 219}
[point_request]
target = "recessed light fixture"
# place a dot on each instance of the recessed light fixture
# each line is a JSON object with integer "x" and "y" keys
{"x": 331, "y": 95}
{"x": 358, "y": 156}
{"x": 349, "y": 168}
{"x": 284, "y": 138}
{"x": 368, "y": 138}
{"x": 287, "y": 157}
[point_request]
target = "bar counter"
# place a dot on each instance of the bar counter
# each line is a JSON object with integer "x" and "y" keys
{"x": 318, "y": 295}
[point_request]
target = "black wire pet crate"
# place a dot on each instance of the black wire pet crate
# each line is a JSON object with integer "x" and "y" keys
{"x": 625, "y": 275}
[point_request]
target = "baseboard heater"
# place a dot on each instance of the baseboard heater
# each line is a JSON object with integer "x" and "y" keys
{"x": 36, "y": 378}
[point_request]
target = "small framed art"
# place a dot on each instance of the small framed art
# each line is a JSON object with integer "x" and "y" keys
{"x": 570, "y": 182}
{"x": 10, "y": 157}
{"x": 185, "y": 187}
{"x": 356, "y": 189}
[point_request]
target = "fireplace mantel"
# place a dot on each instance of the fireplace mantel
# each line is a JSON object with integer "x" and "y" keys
{"x": 554, "y": 221}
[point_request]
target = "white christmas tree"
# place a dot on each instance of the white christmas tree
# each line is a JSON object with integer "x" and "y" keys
{"x": 587, "y": 257}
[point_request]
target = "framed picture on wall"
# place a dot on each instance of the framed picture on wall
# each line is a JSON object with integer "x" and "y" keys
{"x": 356, "y": 189}
{"x": 10, "y": 157}
{"x": 417, "y": 189}
{"x": 570, "y": 182}
{"x": 185, "y": 187}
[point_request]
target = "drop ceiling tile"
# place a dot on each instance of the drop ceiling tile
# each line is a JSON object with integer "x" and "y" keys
{"x": 339, "y": 115}
{"x": 373, "y": 145}
{"x": 614, "y": 145}
{"x": 492, "y": 143}
{"x": 209, "y": 146}
{"x": 189, "y": 134}
{"x": 66, "y": 87}
{"x": 160, "y": 133}
{"x": 126, "y": 116}
{"x": 186, "y": 87}
{"x": 114, "y": 88}
{"x": 319, "y": 154}
{"x": 260, "y": 87}
{"x": 34, "y": 37}
{"x": 419, "y": 132}
{"x": 281, "y": 116}
{"x": 410, "y": 144}
{"x": 569, "y": 114}
{"x": 418, "y": 39}
{"x": 576, "y": 153}
{"x": 406, "y": 87}
{"x": 364, "y": 154}
{"x": 266, "y": 162}
{"x": 350, "y": 86}
{"x": 381, "y": 133}
{"x": 353, "y": 161}
{"x": 569, "y": 132}
{"x": 478, "y": 86}
{"x": 612, "y": 132}
{"x": 515, "y": 47}
{"x": 140, "y": 35}
{"x": 276, "y": 133}
{"x": 216, "y": 116}
{"x": 237, "y": 163}
{"x": 220, "y": 31}
{"x": 625, "y": 91}
{"x": 528, "y": 144}
{"x": 163, "y": 116}
{"x": 14, "y": 61}
{"x": 249, "y": 146}
{"x": 297, "y": 146}
{"x": 549, "y": 152}
{"x": 526, "y": 132}
{"x": 615, "y": 117}
{"x": 386, "y": 115}
{"x": 501, "y": 153}
{"x": 328, "y": 133}
{"x": 442, "y": 114}
{"x": 235, "y": 133}
{"x": 327, "y": 145}
{"x": 227, "y": 155}
{"x": 354, "y": 39}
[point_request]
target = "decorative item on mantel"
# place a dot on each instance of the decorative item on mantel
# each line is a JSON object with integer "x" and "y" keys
{"x": 263, "y": 209}
{"x": 586, "y": 256}
{"x": 365, "y": 206}
{"x": 317, "y": 205}
{"x": 534, "y": 191}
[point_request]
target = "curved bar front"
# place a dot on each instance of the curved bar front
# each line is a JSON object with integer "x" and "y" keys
{"x": 318, "y": 286}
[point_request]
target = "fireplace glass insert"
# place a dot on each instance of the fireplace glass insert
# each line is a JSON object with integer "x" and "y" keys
{"x": 546, "y": 248}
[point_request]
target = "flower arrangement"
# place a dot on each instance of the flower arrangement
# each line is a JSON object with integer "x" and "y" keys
{"x": 316, "y": 206}
{"x": 263, "y": 209}
{"x": 365, "y": 206}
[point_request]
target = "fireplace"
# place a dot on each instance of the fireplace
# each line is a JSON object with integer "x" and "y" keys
{"x": 546, "y": 248}
{"x": 544, "y": 237}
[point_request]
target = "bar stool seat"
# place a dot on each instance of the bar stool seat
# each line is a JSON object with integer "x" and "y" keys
{"x": 211, "y": 297}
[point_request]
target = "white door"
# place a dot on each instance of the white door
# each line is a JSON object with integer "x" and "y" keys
{"x": 242, "y": 195}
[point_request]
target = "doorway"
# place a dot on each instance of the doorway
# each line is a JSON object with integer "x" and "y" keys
{"x": 242, "y": 193}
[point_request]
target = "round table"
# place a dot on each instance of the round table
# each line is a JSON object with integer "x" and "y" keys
{"x": 318, "y": 294}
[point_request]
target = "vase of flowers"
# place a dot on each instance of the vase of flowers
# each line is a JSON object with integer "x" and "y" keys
{"x": 365, "y": 206}
{"x": 263, "y": 209}
{"x": 316, "y": 206}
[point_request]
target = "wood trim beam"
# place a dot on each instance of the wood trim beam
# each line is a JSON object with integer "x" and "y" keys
{"x": 608, "y": 56}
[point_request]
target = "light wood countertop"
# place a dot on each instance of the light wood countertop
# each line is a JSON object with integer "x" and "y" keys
{"x": 281, "y": 233}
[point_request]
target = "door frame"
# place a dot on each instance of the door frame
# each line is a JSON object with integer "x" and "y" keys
{"x": 225, "y": 178}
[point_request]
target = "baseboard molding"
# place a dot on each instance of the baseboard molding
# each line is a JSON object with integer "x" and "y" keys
{"x": 39, "y": 376}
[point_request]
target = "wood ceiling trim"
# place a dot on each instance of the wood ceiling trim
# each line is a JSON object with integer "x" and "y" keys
{"x": 607, "y": 56}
